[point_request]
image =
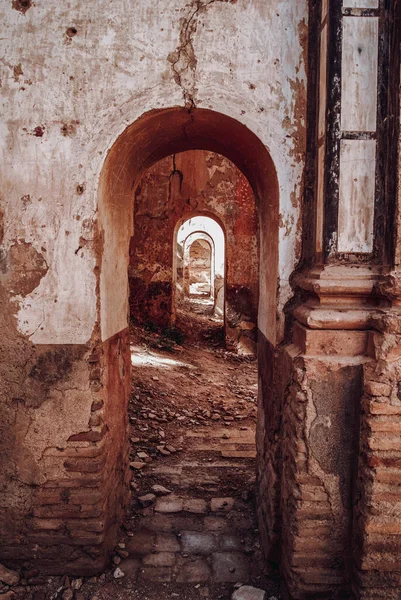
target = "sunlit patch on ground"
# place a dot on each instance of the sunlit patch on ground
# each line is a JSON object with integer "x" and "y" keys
{"x": 144, "y": 358}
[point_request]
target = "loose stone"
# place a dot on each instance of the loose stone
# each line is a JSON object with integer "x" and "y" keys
{"x": 163, "y": 451}
{"x": 8, "y": 576}
{"x": 137, "y": 465}
{"x": 147, "y": 499}
{"x": 222, "y": 504}
{"x": 118, "y": 574}
{"x": 160, "y": 490}
{"x": 247, "y": 592}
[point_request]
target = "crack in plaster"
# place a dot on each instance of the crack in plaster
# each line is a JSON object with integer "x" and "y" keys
{"x": 183, "y": 60}
{"x": 174, "y": 171}
{"x": 40, "y": 324}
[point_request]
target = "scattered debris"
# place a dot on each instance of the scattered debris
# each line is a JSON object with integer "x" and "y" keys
{"x": 192, "y": 517}
{"x": 147, "y": 499}
{"x": 248, "y": 592}
{"x": 160, "y": 490}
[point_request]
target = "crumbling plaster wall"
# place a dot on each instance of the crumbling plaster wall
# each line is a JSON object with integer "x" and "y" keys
{"x": 73, "y": 76}
{"x": 67, "y": 96}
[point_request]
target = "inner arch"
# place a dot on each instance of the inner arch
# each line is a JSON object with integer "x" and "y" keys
{"x": 152, "y": 137}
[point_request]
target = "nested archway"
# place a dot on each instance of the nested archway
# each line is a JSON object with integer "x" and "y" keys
{"x": 207, "y": 230}
{"x": 152, "y": 137}
{"x": 199, "y": 264}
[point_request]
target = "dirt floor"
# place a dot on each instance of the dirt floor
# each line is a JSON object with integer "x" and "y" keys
{"x": 191, "y": 532}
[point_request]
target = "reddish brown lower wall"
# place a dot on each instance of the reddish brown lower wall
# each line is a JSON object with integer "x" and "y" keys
{"x": 320, "y": 434}
{"x": 308, "y": 431}
{"x": 274, "y": 373}
{"x": 117, "y": 475}
{"x": 70, "y": 507}
{"x": 377, "y": 530}
{"x": 47, "y": 500}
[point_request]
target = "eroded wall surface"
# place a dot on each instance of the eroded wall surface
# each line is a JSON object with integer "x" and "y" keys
{"x": 74, "y": 75}
{"x": 75, "y": 79}
{"x": 184, "y": 185}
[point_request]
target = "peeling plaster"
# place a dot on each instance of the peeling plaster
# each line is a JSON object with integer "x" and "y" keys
{"x": 114, "y": 70}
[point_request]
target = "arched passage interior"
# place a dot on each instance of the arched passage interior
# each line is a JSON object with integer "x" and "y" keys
{"x": 206, "y": 229}
{"x": 198, "y": 263}
{"x": 150, "y": 138}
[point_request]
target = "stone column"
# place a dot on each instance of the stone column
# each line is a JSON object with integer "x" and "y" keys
{"x": 339, "y": 436}
{"x": 320, "y": 427}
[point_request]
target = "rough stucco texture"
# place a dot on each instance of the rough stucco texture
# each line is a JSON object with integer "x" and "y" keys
{"x": 76, "y": 74}
{"x": 73, "y": 76}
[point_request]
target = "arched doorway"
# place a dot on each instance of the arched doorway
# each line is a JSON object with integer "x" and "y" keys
{"x": 149, "y": 139}
{"x": 199, "y": 229}
{"x": 159, "y": 134}
{"x": 198, "y": 267}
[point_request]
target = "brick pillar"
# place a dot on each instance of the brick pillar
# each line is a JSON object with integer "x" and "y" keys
{"x": 377, "y": 525}
{"x": 319, "y": 437}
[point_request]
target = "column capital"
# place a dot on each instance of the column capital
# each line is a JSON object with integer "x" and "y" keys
{"x": 344, "y": 296}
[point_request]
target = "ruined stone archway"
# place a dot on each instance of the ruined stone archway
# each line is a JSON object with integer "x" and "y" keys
{"x": 199, "y": 257}
{"x": 150, "y": 138}
{"x": 220, "y": 270}
{"x": 200, "y": 226}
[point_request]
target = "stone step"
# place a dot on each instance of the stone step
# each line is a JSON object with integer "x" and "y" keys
{"x": 235, "y": 439}
{"x": 229, "y": 451}
{"x": 220, "y": 432}
{"x": 200, "y": 466}
{"x": 219, "y": 567}
{"x": 238, "y": 453}
{"x": 232, "y": 522}
{"x": 218, "y": 447}
{"x": 216, "y": 465}
{"x": 202, "y": 472}
{"x": 193, "y": 480}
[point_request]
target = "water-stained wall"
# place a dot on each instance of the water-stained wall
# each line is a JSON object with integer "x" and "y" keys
{"x": 93, "y": 95}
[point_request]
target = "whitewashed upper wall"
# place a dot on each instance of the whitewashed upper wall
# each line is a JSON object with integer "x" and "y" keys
{"x": 81, "y": 92}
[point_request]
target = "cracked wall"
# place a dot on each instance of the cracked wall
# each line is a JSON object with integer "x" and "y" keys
{"x": 320, "y": 446}
{"x": 72, "y": 80}
{"x": 104, "y": 77}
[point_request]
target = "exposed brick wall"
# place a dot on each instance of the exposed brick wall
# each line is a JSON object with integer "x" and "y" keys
{"x": 308, "y": 433}
{"x": 75, "y": 511}
{"x": 274, "y": 374}
{"x": 312, "y": 549}
{"x": 377, "y": 529}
